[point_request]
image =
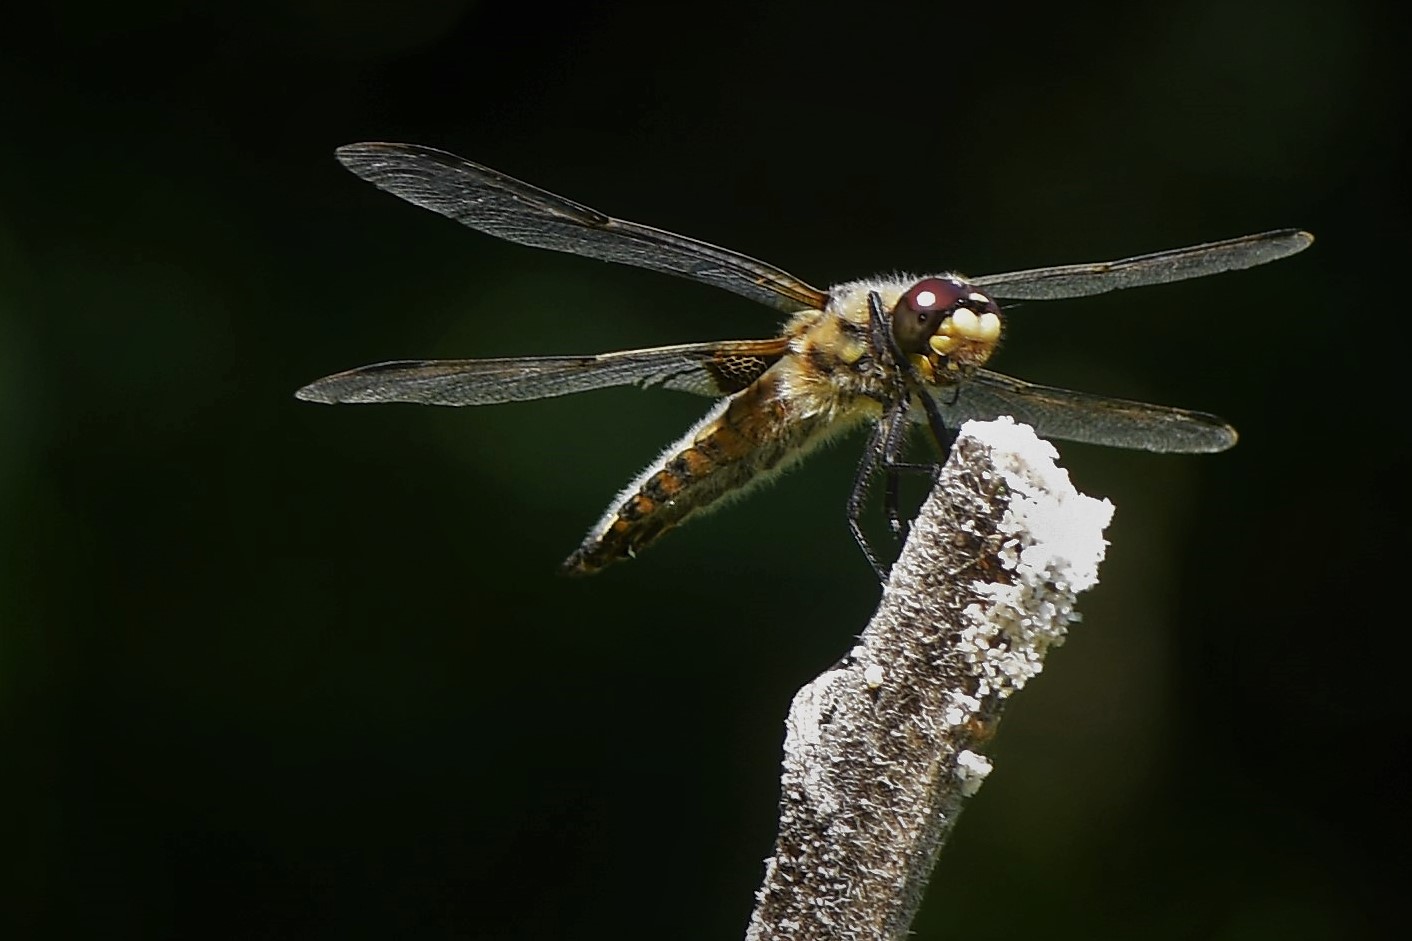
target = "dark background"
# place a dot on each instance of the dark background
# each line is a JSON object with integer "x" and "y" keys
{"x": 275, "y": 670}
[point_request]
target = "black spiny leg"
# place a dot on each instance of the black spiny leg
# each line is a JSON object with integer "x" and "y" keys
{"x": 873, "y": 455}
{"x": 892, "y": 446}
{"x": 886, "y": 345}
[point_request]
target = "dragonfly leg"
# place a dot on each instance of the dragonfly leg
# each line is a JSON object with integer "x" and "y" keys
{"x": 894, "y": 519}
{"x": 885, "y": 344}
{"x": 895, "y": 522}
{"x": 892, "y": 445}
{"x": 873, "y": 455}
{"x": 895, "y": 469}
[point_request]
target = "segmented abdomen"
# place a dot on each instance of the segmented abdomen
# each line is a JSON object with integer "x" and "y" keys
{"x": 741, "y": 442}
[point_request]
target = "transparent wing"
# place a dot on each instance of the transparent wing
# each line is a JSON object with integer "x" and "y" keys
{"x": 498, "y": 205}
{"x": 702, "y": 368}
{"x": 1080, "y": 416}
{"x": 1178, "y": 264}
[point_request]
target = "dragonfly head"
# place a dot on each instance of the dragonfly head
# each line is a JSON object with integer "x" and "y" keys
{"x": 946, "y": 326}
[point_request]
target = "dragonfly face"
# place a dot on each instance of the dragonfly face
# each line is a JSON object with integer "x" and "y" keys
{"x": 887, "y": 351}
{"x": 946, "y": 325}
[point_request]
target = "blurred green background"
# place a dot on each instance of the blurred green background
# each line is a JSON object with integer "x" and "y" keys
{"x": 275, "y": 670}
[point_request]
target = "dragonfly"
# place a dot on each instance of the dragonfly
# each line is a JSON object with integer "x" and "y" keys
{"x": 894, "y": 352}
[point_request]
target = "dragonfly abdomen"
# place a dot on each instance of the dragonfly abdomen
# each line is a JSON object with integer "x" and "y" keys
{"x": 741, "y": 442}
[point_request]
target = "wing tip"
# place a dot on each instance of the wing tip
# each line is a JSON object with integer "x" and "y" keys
{"x": 359, "y": 151}
{"x": 316, "y": 392}
{"x": 350, "y": 154}
{"x": 1227, "y": 440}
{"x": 1295, "y": 240}
{"x": 368, "y": 159}
{"x": 1280, "y": 243}
{"x": 1210, "y": 435}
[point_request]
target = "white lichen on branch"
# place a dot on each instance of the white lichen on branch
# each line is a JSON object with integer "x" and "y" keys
{"x": 881, "y": 749}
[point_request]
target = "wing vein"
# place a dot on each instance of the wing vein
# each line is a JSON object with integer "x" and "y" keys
{"x": 1179, "y": 264}
{"x": 491, "y": 202}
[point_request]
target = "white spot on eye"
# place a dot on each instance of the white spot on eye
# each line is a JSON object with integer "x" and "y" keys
{"x": 926, "y": 299}
{"x": 978, "y": 297}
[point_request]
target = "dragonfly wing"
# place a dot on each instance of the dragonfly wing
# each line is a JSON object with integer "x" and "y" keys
{"x": 1081, "y": 416}
{"x": 1178, "y": 264}
{"x": 703, "y": 368}
{"x": 499, "y": 205}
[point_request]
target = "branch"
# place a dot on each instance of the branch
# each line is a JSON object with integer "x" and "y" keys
{"x": 882, "y": 749}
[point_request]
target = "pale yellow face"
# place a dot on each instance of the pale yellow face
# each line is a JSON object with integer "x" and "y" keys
{"x": 965, "y": 339}
{"x": 945, "y": 326}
